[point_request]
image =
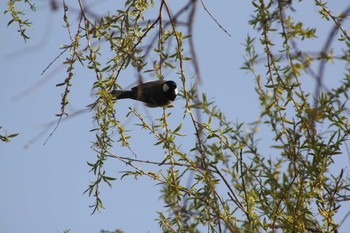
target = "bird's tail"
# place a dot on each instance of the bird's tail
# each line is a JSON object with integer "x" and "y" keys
{"x": 120, "y": 94}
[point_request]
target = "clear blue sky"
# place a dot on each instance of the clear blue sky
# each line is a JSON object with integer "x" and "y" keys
{"x": 42, "y": 186}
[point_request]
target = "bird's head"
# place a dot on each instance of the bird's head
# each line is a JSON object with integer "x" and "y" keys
{"x": 170, "y": 90}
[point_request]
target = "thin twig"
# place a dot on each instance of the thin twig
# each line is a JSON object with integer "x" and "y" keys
{"x": 222, "y": 28}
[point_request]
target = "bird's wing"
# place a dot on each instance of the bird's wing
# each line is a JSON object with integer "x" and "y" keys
{"x": 147, "y": 90}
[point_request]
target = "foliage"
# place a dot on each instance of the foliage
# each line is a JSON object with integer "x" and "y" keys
{"x": 5, "y": 137}
{"x": 17, "y": 15}
{"x": 237, "y": 185}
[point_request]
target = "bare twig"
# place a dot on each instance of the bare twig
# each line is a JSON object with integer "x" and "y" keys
{"x": 222, "y": 28}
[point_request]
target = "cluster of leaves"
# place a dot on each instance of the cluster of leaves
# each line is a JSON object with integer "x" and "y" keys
{"x": 16, "y": 16}
{"x": 7, "y": 137}
{"x": 309, "y": 131}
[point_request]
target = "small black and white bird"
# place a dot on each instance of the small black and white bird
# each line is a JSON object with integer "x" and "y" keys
{"x": 160, "y": 93}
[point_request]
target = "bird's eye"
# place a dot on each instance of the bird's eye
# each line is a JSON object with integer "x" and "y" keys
{"x": 165, "y": 87}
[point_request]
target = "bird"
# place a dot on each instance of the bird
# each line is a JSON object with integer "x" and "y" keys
{"x": 160, "y": 93}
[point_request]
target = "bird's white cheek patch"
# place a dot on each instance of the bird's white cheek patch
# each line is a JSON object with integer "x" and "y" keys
{"x": 165, "y": 87}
